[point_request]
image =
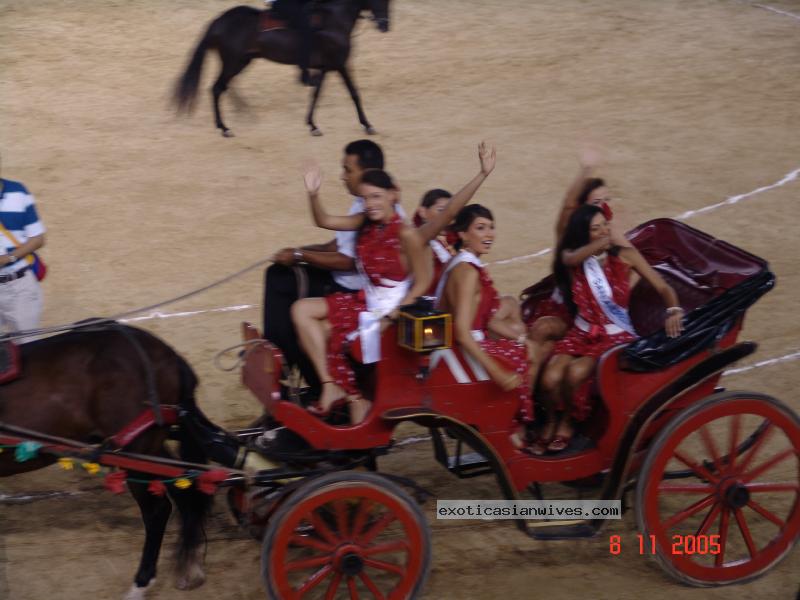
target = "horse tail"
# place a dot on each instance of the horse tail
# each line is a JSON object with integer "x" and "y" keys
{"x": 185, "y": 92}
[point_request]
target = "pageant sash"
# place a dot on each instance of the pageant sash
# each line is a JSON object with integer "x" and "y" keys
{"x": 462, "y": 256}
{"x": 440, "y": 251}
{"x": 601, "y": 290}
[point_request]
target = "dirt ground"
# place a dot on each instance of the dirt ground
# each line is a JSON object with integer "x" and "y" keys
{"x": 692, "y": 101}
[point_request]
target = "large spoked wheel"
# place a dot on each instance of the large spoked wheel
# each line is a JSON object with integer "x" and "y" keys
{"x": 346, "y": 535}
{"x": 733, "y": 522}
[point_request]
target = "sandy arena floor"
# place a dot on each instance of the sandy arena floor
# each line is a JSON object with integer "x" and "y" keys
{"x": 693, "y": 102}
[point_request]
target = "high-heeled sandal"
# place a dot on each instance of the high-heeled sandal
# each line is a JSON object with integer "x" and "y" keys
{"x": 317, "y": 410}
{"x": 559, "y": 443}
{"x": 354, "y": 401}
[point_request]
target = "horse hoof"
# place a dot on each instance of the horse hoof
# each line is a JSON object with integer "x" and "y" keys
{"x": 227, "y": 133}
{"x": 138, "y": 593}
{"x": 370, "y": 130}
{"x": 316, "y": 132}
{"x": 190, "y": 581}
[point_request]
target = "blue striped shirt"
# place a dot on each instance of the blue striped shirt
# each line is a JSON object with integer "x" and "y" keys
{"x": 18, "y": 215}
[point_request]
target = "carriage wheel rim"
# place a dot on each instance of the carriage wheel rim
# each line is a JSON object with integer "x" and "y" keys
{"x": 340, "y": 559}
{"x": 727, "y": 493}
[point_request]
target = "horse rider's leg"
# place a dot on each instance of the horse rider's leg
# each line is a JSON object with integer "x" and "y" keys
{"x": 231, "y": 67}
{"x": 362, "y": 118}
{"x": 155, "y": 512}
{"x": 313, "y": 106}
{"x": 310, "y": 316}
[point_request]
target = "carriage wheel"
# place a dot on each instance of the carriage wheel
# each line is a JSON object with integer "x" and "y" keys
{"x": 346, "y": 535}
{"x": 732, "y": 523}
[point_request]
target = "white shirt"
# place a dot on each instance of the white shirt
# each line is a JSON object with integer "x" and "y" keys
{"x": 346, "y": 244}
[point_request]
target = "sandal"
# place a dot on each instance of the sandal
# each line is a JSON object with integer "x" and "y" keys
{"x": 539, "y": 446}
{"x": 559, "y": 443}
{"x": 316, "y": 409}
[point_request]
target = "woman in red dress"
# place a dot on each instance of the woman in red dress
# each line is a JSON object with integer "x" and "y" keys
{"x": 391, "y": 259}
{"x": 466, "y": 290}
{"x": 551, "y": 318}
{"x": 593, "y": 276}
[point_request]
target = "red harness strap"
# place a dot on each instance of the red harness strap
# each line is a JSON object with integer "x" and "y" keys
{"x": 9, "y": 361}
{"x": 142, "y": 423}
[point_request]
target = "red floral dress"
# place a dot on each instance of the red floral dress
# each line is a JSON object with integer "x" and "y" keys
{"x": 379, "y": 253}
{"x": 596, "y": 341}
{"x": 509, "y": 350}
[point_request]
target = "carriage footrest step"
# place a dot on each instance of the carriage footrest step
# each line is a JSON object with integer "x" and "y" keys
{"x": 468, "y": 465}
{"x": 561, "y": 532}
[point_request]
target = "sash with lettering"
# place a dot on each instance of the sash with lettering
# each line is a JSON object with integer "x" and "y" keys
{"x": 601, "y": 290}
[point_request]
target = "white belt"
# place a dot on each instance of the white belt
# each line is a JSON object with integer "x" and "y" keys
{"x": 584, "y": 325}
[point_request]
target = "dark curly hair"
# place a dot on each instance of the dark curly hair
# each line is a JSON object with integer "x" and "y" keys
{"x": 466, "y": 216}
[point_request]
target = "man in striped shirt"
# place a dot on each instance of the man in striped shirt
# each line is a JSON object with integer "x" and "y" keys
{"x": 21, "y": 233}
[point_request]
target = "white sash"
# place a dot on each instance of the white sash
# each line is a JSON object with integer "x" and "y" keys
{"x": 440, "y": 251}
{"x": 381, "y": 300}
{"x": 601, "y": 290}
{"x": 462, "y": 256}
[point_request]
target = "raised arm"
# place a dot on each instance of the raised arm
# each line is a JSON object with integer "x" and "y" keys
{"x": 461, "y": 290}
{"x": 588, "y": 161}
{"x": 313, "y": 181}
{"x": 573, "y": 258}
{"x": 673, "y": 322}
{"x": 487, "y": 155}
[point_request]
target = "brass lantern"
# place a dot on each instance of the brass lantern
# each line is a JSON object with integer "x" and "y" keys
{"x": 422, "y": 328}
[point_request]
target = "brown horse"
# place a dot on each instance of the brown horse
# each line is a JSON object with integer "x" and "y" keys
{"x": 87, "y": 385}
{"x": 238, "y": 38}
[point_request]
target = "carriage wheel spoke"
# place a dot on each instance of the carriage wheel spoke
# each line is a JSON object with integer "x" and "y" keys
{"x": 373, "y": 589}
{"x": 384, "y": 566}
{"x": 688, "y": 512}
{"x": 308, "y": 563}
{"x": 688, "y": 488}
{"x": 310, "y": 542}
{"x": 314, "y": 580}
{"x": 773, "y": 487}
{"x": 711, "y": 448}
{"x": 362, "y": 514}
{"x": 340, "y": 510}
{"x": 398, "y": 546}
{"x": 764, "y": 467}
{"x": 766, "y": 514}
{"x": 736, "y": 423}
{"x": 699, "y": 470}
{"x": 322, "y": 529}
{"x": 709, "y": 520}
{"x": 754, "y": 449}
{"x": 351, "y": 586}
{"x": 376, "y": 528}
{"x": 723, "y": 537}
{"x": 333, "y": 586}
{"x": 745, "y": 530}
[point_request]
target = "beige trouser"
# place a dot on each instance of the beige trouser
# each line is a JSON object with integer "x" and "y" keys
{"x": 20, "y": 304}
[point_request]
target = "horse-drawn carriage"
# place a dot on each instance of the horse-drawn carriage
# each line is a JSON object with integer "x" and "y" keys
{"x": 704, "y": 463}
{"x": 716, "y": 470}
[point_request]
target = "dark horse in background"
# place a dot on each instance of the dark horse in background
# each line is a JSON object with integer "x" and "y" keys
{"x": 238, "y": 37}
{"x": 87, "y": 385}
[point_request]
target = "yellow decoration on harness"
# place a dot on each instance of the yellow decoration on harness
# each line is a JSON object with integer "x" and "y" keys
{"x": 182, "y": 483}
{"x": 66, "y": 463}
{"x": 92, "y": 468}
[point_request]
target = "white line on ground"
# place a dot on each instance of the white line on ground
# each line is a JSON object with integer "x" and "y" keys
{"x": 777, "y": 10}
{"x": 188, "y": 313}
{"x": 764, "y": 363}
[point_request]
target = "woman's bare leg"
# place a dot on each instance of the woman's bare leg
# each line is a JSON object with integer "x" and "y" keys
{"x": 553, "y": 387}
{"x": 577, "y": 373}
{"x": 310, "y": 317}
{"x": 542, "y": 336}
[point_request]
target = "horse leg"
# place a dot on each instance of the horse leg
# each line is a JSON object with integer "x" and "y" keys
{"x": 193, "y": 507}
{"x": 362, "y": 118}
{"x": 230, "y": 69}
{"x": 310, "y": 117}
{"x": 155, "y": 514}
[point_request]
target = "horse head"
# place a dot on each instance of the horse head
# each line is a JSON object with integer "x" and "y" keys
{"x": 380, "y": 13}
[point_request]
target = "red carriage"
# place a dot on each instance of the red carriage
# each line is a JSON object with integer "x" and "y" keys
{"x": 703, "y": 463}
{"x": 714, "y": 467}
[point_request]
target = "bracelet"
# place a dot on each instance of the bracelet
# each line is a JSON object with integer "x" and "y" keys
{"x": 673, "y": 310}
{"x": 298, "y": 255}
{"x": 13, "y": 259}
{"x": 521, "y": 338}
